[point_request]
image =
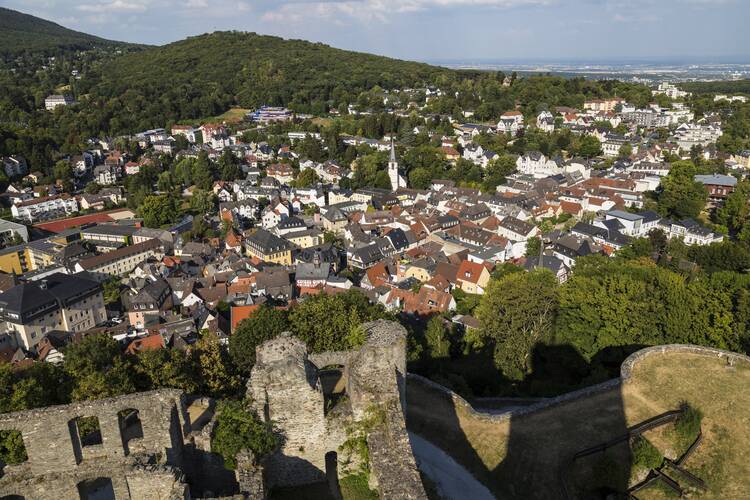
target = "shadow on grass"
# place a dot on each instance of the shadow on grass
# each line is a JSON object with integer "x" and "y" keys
{"x": 523, "y": 455}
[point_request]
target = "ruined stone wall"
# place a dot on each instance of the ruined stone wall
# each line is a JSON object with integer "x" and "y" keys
{"x": 57, "y": 461}
{"x": 626, "y": 370}
{"x": 286, "y": 390}
{"x": 129, "y": 481}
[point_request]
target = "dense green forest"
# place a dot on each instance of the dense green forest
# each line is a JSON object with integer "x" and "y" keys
{"x": 203, "y": 75}
{"x": 721, "y": 87}
{"x": 21, "y": 33}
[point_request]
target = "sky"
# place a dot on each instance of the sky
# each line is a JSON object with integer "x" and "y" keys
{"x": 436, "y": 30}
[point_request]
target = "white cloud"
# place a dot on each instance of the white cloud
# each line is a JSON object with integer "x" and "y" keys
{"x": 113, "y": 6}
{"x": 376, "y": 10}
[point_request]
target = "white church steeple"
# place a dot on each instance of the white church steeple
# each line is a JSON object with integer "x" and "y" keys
{"x": 396, "y": 180}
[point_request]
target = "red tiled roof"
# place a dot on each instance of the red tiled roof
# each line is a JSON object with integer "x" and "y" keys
{"x": 469, "y": 271}
{"x": 238, "y": 313}
{"x": 150, "y": 343}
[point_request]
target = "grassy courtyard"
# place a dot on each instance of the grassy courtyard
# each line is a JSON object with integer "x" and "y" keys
{"x": 522, "y": 457}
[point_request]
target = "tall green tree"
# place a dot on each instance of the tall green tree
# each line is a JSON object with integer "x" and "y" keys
{"x": 158, "y": 210}
{"x": 97, "y": 368}
{"x": 264, "y": 324}
{"x": 436, "y": 338}
{"x": 327, "y": 322}
{"x": 238, "y": 428}
{"x": 516, "y": 313}
{"x": 680, "y": 196}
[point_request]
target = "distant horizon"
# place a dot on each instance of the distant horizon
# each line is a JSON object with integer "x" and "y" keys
{"x": 615, "y": 60}
{"x": 585, "y": 31}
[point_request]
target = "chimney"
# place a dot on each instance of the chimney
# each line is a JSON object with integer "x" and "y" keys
{"x": 316, "y": 259}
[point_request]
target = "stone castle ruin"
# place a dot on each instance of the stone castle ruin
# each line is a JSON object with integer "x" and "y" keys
{"x": 286, "y": 389}
{"x": 137, "y": 451}
{"x": 144, "y": 445}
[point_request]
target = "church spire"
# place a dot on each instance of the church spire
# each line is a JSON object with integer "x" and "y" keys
{"x": 393, "y": 169}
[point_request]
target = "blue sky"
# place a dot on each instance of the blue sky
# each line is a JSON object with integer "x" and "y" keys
{"x": 435, "y": 30}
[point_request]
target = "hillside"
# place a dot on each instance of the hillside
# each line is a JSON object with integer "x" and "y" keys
{"x": 20, "y": 33}
{"x": 205, "y": 75}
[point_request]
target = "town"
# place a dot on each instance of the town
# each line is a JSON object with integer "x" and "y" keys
{"x": 239, "y": 266}
{"x": 281, "y": 225}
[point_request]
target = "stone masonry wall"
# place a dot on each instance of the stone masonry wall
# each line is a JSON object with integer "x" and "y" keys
{"x": 57, "y": 462}
{"x": 626, "y": 370}
{"x": 286, "y": 390}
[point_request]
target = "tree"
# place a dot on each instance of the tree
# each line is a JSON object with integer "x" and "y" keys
{"x": 533, "y": 246}
{"x": 202, "y": 172}
{"x": 625, "y": 151}
{"x": 158, "y": 210}
{"x": 183, "y": 171}
{"x": 264, "y": 324}
{"x": 218, "y": 377}
{"x": 12, "y": 449}
{"x": 62, "y": 170}
{"x": 438, "y": 344}
{"x": 97, "y": 369}
{"x": 680, "y": 196}
{"x": 589, "y": 146}
{"x": 238, "y": 428}
{"x": 496, "y": 172}
{"x": 735, "y": 210}
{"x": 229, "y": 166}
{"x": 165, "y": 182}
{"x": 306, "y": 178}
{"x": 111, "y": 290}
{"x": 420, "y": 178}
{"x": 203, "y": 202}
{"x": 325, "y": 322}
{"x": 310, "y": 147}
{"x": 167, "y": 368}
{"x": 516, "y": 313}
{"x": 92, "y": 188}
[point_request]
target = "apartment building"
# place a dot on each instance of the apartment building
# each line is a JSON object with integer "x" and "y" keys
{"x": 29, "y": 311}
{"x": 44, "y": 208}
{"x": 121, "y": 261}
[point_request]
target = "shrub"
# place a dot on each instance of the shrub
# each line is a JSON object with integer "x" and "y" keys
{"x": 356, "y": 438}
{"x": 645, "y": 454}
{"x": 238, "y": 428}
{"x": 356, "y": 487}
{"x": 12, "y": 449}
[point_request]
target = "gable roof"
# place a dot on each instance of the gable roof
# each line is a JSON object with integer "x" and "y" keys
{"x": 470, "y": 272}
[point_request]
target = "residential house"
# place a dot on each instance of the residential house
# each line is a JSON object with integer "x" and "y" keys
{"x": 153, "y": 300}
{"x": 472, "y": 277}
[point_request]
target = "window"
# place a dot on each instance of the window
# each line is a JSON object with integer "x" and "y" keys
{"x": 88, "y": 431}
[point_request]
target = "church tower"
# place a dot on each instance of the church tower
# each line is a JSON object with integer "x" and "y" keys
{"x": 393, "y": 170}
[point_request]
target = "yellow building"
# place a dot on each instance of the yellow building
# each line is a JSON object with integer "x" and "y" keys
{"x": 268, "y": 247}
{"x": 29, "y": 257}
{"x": 14, "y": 260}
{"x": 305, "y": 239}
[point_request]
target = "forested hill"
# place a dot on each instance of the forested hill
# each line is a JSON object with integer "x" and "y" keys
{"x": 22, "y": 33}
{"x": 203, "y": 75}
